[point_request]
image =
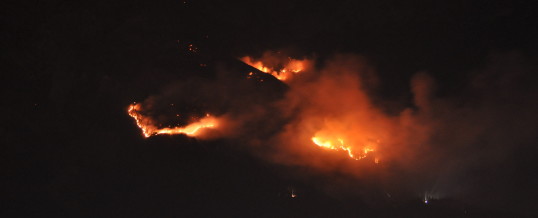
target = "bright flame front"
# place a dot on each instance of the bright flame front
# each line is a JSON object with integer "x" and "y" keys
{"x": 149, "y": 128}
{"x": 339, "y": 144}
{"x": 292, "y": 66}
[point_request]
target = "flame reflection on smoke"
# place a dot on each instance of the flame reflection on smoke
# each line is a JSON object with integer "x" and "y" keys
{"x": 335, "y": 106}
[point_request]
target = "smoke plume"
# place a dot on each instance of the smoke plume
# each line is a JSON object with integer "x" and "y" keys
{"x": 326, "y": 120}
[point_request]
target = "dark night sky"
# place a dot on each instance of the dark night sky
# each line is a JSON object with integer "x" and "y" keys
{"x": 70, "y": 69}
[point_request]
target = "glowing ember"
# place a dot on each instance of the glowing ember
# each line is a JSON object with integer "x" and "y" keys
{"x": 148, "y": 127}
{"x": 340, "y": 145}
{"x": 292, "y": 66}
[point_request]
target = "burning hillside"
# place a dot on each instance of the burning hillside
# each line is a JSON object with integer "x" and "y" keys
{"x": 282, "y": 68}
{"x": 323, "y": 115}
{"x": 149, "y": 128}
{"x": 340, "y": 116}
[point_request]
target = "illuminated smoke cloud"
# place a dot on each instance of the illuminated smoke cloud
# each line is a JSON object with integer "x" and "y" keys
{"x": 327, "y": 120}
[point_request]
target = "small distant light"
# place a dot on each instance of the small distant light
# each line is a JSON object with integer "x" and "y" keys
{"x": 293, "y": 195}
{"x": 426, "y": 201}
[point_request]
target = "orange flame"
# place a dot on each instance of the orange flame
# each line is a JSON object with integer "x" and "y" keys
{"x": 330, "y": 144}
{"x": 293, "y": 66}
{"x": 148, "y": 127}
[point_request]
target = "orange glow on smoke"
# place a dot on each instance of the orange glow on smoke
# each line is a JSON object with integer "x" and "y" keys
{"x": 148, "y": 127}
{"x": 333, "y": 102}
{"x": 292, "y": 66}
{"x": 325, "y": 108}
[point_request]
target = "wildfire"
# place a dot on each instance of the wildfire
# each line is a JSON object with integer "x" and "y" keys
{"x": 340, "y": 145}
{"x": 149, "y": 128}
{"x": 292, "y": 66}
{"x": 351, "y": 122}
